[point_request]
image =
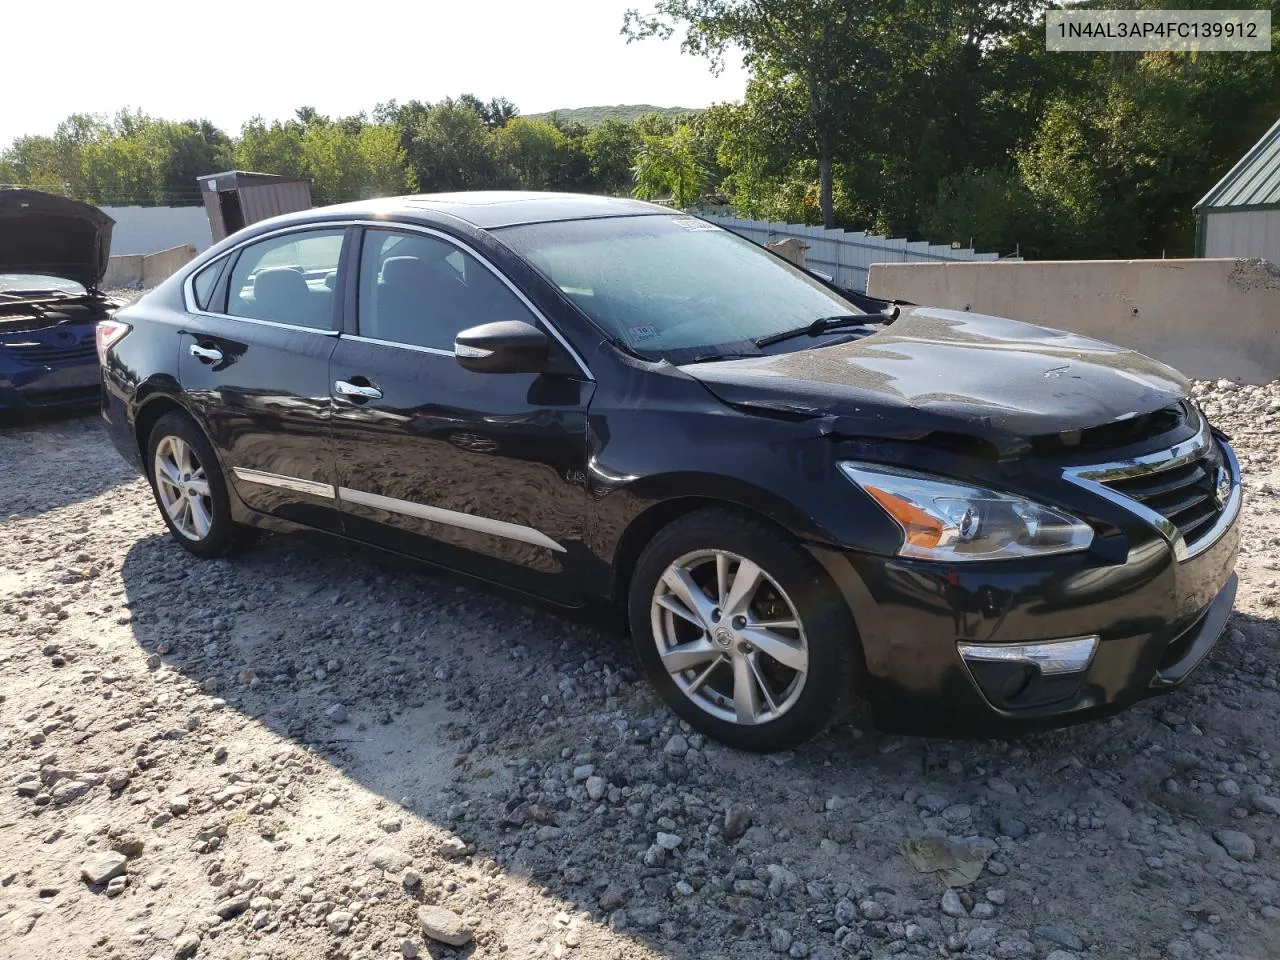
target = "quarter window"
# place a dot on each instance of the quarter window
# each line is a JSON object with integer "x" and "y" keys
{"x": 288, "y": 279}
{"x": 420, "y": 290}
{"x": 206, "y": 281}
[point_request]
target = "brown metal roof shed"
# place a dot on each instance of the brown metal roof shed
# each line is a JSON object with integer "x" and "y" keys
{"x": 236, "y": 198}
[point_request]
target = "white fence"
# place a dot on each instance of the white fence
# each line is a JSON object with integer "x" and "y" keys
{"x": 149, "y": 229}
{"x": 846, "y": 255}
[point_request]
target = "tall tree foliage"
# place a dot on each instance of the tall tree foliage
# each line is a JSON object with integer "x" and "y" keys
{"x": 531, "y": 151}
{"x": 836, "y": 53}
{"x": 668, "y": 165}
{"x": 447, "y": 145}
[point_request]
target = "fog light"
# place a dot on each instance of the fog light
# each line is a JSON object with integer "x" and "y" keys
{"x": 1052, "y": 657}
{"x": 1027, "y": 676}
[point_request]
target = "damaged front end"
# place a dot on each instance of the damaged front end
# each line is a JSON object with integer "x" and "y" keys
{"x": 48, "y": 354}
{"x": 53, "y": 256}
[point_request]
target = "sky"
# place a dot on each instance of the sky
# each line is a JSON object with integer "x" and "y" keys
{"x": 228, "y": 62}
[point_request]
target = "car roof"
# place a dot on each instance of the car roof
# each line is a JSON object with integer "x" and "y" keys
{"x": 490, "y": 209}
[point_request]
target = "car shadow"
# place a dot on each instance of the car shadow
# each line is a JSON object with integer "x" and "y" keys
{"x": 56, "y": 446}
{"x": 479, "y": 714}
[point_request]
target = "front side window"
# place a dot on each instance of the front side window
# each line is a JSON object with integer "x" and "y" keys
{"x": 287, "y": 279}
{"x": 670, "y": 283}
{"x": 420, "y": 290}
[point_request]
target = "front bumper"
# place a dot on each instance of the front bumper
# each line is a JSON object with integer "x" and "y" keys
{"x": 28, "y": 389}
{"x": 1155, "y": 618}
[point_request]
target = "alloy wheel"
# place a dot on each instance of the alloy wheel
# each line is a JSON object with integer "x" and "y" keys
{"x": 729, "y": 637}
{"x": 183, "y": 488}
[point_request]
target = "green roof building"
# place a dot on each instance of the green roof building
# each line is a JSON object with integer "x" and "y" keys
{"x": 1240, "y": 216}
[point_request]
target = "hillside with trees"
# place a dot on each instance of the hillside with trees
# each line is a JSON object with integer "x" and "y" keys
{"x": 944, "y": 120}
{"x": 622, "y": 112}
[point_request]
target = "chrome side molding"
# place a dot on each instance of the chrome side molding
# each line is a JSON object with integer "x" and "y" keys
{"x": 467, "y": 521}
{"x": 452, "y": 518}
{"x": 296, "y": 484}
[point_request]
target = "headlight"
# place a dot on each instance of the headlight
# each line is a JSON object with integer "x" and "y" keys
{"x": 947, "y": 520}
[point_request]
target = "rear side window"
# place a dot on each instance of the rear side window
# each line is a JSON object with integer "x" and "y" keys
{"x": 288, "y": 279}
{"x": 206, "y": 282}
{"x": 420, "y": 290}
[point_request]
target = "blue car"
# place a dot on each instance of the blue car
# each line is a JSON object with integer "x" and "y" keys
{"x": 53, "y": 255}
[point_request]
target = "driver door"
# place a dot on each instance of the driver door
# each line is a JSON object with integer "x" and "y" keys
{"x": 481, "y": 472}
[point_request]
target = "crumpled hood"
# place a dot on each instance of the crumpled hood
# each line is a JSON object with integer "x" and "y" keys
{"x": 54, "y": 236}
{"x": 952, "y": 371}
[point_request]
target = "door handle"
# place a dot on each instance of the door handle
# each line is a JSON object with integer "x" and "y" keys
{"x": 344, "y": 388}
{"x": 208, "y": 354}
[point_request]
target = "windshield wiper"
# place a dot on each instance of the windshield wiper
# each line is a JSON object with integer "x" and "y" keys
{"x": 823, "y": 324}
{"x": 716, "y": 357}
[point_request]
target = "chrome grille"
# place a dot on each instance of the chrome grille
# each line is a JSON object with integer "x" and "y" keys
{"x": 1183, "y": 495}
{"x": 1190, "y": 492}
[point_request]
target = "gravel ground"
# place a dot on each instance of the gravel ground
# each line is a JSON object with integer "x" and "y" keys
{"x": 311, "y": 750}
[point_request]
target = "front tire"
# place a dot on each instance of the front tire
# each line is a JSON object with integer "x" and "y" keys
{"x": 189, "y": 488}
{"x": 741, "y": 630}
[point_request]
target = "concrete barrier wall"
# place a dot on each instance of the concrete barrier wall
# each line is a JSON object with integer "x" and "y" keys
{"x": 123, "y": 271}
{"x": 144, "y": 229}
{"x": 146, "y": 270}
{"x": 1210, "y": 318}
{"x": 164, "y": 263}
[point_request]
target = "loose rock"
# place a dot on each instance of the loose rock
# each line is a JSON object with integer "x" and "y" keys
{"x": 442, "y": 924}
{"x": 101, "y": 867}
{"x": 737, "y": 818}
{"x": 1239, "y": 846}
{"x": 952, "y": 906}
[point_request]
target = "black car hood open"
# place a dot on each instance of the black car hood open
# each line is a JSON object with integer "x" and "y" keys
{"x": 53, "y": 236}
{"x": 953, "y": 372}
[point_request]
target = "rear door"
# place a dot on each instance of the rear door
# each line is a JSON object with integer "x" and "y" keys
{"x": 255, "y": 363}
{"x": 482, "y": 472}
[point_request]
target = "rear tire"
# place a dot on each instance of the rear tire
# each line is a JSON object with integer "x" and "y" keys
{"x": 190, "y": 490}
{"x": 741, "y": 631}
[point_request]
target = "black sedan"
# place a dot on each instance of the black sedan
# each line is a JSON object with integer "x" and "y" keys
{"x": 800, "y": 497}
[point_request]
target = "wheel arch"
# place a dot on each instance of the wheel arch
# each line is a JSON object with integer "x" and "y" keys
{"x": 150, "y": 410}
{"x": 153, "y": 405}
{"x": 823, "y": 602}
{"x": 687, "y": 495}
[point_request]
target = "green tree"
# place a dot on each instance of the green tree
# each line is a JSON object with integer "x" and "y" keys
{"x": 1116, "y": 167}
{"x": 990, "y": 209}
{"x": 194, "y": 148}
{"x": 387, "y": 171}
{"x": 34, "y": 162}
{"x": 495, "y": 113}
{"x": 668, "y": 166}
{"x": 271, "y": 149}
{"x": 125, "y": 168}
{"x": 835, "y": 51}
{"x": 531, "y": 150}
{"x": 331, "y": 157}
{"x": 446, "y": 146}
{"x": 610, "y": 148}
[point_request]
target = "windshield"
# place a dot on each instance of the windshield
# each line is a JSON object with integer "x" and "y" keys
{"x": 38, "y": 282}
{"x": 674, "y": 283}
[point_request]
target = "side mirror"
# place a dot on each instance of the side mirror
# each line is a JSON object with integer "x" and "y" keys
{"x": 508, "y": 346}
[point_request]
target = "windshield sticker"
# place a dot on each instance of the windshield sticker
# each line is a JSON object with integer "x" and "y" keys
{"x": 693, "y": 223}
{"x": 641, "y": 331}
